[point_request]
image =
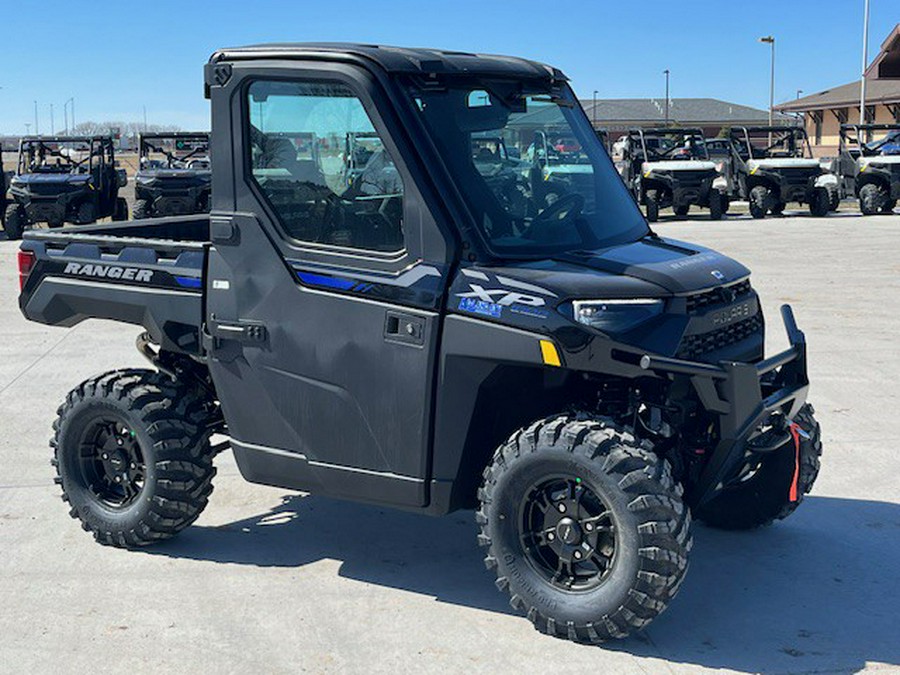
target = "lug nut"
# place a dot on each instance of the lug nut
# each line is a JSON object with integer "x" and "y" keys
{"x": 105, "y": 456}
{"x": 577, "y": 555}
{"x": 588, "y": 526}
{"x": 550, "y": 536}
{"x": 133, "y": 465}
{"x": 562, "y": 508}
{"x": 118, "y": 479}
{"x": 118, "y": 441}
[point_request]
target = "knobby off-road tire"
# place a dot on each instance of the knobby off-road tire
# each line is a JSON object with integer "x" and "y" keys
{"x": 131, "y": 451}
{"x": 625, "y": 511}
{"x": 765, "y": 497}
{"x": 651, "y": 202}
{"x": 834, "y": 200}
{"x": 870, "y": 199}
{"x": 887, "y": 208}
{"x": 820, "y": 204}
{"x": 14, "y": 222}
{"x": 121, "y": 212}
{"x": 681, "y": 210}
{"x": 141, "y": 209}
{"x": 760, "y": 202}
{"x": 86, "y": 213}
{"x": 716, "y": 206}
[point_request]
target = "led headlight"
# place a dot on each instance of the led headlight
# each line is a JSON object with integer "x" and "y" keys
{"x": 616, "y": 316}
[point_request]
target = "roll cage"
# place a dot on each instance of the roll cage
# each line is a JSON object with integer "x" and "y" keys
{"x": 192, "y": 145}
{"x": 37, "y": 154}
{"x": 676, "y": 138}
{"x": 777, "y": 141}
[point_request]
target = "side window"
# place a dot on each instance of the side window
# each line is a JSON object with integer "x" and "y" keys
{"x": 317, "y": 159}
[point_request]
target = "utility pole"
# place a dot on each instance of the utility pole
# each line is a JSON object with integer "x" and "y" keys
{"x": 145, "y": 119}
{"x": 769, "y": 39}
{"x": 799, "y": 91}
{"x": 865, "y": 63}
{"x": 666, "y": 72}
{"x": 52, "y": 124}
{"x": 594, "y": 110}
{"x": 37, "y": 126}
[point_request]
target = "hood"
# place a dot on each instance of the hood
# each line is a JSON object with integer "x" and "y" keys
{"x": 36, "y": 179}
{"x": 783, "y": 163}
{"x": 882, "y": 160}
{"x": 651, "y": 267}
{"x": 180, "y": 174}
{"x": 679, "y": 165}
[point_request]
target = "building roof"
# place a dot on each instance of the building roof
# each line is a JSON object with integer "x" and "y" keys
{"x": 846, "y": 95}
{"x": 685, "y": 111}
{"x": 887, "y": 64}
{"x": 396, "y": 59}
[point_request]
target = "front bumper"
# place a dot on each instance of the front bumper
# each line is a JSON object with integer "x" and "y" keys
{"x": 744, "y": 397}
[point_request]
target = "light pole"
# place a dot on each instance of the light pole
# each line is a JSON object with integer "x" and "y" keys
{"x": 769, "y": 39}
{"x": 799, "y": 91}
{"x": 666, "y": 72}
{"x": 65, "y": 105}
{"x": 865, "y": 63}
{"x": 594, "y": 110}
{"x": 52, "y": 125}
{"x": 37, "y": 126}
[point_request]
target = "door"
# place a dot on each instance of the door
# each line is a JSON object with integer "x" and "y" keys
{"x": 322, "y": 298}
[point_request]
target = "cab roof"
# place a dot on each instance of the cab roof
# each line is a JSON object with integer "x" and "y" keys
{"x": 397, "y": 59}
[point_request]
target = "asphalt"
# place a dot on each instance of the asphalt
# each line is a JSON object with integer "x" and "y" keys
{"x": 273, "y": 581}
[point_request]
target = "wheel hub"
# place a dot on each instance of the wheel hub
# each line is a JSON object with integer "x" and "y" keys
{"x": 568, "y": 531}
{"x": 112, "y": 462}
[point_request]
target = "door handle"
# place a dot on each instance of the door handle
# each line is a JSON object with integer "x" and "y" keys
{"x": 405, "y": 328}
{"x": 252, "y": 333}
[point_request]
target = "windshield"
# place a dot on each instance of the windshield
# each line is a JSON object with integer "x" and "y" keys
{"x": 657, "y": 145}
{"x": 175, "y": 151}
{"x": 529, "y": 164}
{"x": 56, "y": 156}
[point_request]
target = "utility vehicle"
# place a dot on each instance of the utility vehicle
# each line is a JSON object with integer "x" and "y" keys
{"x": 869, "y": 170}
{"x": 582, "y": 383}
{"x": 671, "y": 167}
{"x": 64, "y": 179}
{"x": 773, "y": 165}
{"x": 173, "y": 176}
{"x": 4, "y": 185}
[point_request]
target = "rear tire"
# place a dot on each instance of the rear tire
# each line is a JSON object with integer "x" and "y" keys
{"x": 121, "y": 212}
{"x": 141, "y": 209}
{"x": 651, "y": 202}
{"x": 834, "y": 202}
{"x": 14, "y": 222}
{"x": 766, "y": 496}
{"x": 820, "y": 204}
{"x": 682, "y": 210}
{"x": 584, "y": 527}
{"x": 759, "y": 201}
{"x": 131, "y": 451}
{"x": 870, "y": 199}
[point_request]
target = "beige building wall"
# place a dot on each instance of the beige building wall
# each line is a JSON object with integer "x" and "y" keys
{"x": 824, "y": 135}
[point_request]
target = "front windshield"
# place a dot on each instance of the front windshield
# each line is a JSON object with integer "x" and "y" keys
{"x": 529, "y": 164}
{"x": 175, "y": 151}
{"x": 38, "y": 156}
{"x": 671, "y": 145}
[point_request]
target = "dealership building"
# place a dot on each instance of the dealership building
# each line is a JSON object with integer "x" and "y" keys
{"x": 825, "y": 111}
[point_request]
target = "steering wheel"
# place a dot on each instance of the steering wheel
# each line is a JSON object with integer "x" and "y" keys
{"x": 567, "y": 206}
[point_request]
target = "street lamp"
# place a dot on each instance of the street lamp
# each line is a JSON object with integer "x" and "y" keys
{"x": 666, "y": 73}
{"x": 771, "y": 40}
{"x": 65, "y": 105}
{"x": 799, "y": 91}
{"x": 594, "y": 109}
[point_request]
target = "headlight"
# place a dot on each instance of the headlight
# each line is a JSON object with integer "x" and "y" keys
{"x": 616, "y": 316}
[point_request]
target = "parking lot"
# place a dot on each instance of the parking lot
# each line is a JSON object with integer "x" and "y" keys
{"x": 274, "y": 581}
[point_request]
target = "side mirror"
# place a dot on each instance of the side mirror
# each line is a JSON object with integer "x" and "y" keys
{"x": 121, "y": 177}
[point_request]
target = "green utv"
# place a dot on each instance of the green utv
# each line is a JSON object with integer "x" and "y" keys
{"x": 428, "y": 327}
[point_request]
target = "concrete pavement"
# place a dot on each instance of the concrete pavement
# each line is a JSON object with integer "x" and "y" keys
{"x": 272, "y": 581}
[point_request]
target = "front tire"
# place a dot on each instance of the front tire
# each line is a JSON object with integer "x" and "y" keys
{"x": 870, "y": 199}
{"x": 132, "y": 455}
{"x": 86, "y": 213}
{"x": 766, "y": 496}
{"x": 759, "y": 201}
{"x": 121, "y": 212}
{"x": 584, "y": 527}
{"x": 820, "y": 203}
{"x": 651, "y": 202}
{"x": 682, "y": 210}
{"x": 141, "y": 209}
{"x": 716, "y": 210}
{"x": 14, "y": 222}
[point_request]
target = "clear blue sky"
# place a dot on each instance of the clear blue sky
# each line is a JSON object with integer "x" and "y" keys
{"x": 115, "y": 58}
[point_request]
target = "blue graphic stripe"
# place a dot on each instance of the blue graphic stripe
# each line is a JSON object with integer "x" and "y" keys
{"x": 189, "y": 282}
{"x": 327, "y": 282}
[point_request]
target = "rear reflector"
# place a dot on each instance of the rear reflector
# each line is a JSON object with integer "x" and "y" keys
{"x": 26, "y": 264}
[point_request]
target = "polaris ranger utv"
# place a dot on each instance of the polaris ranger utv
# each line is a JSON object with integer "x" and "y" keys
{"x": 582, "y": 383}
{"x": 64, "y": 179}
{"x": 870, "y": 171}
{"x": 671, "y": 167}
{"x": 174, "y": 175}
{"x": 773, "y": 166}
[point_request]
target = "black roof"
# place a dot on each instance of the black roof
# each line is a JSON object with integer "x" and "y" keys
{"x": 397, "y": 59}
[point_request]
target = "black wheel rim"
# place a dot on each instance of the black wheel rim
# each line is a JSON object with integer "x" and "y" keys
{"x": 568, "y": 533}
{"x": 111, "y": 462}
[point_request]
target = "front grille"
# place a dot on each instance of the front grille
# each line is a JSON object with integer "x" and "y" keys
{"x": 694, "y": 346}
{"x": 717, "y": 296}
{"x": 692, "y": 176}
{"x": 798, "y": 176}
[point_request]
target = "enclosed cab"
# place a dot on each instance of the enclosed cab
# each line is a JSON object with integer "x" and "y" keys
{"x": 445, "y": 331}
{"x": 672, "y": 167}
{"x": 64, "y": 179}
{"x": 174, "y": 174}
{"x": 773, "y": 165}
{"x": 868, "y": 168}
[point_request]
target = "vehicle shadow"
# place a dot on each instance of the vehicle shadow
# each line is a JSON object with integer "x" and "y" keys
{"x": 819, "y": 591}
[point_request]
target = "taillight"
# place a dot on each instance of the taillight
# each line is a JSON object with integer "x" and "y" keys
{"x": 26, "y": 264}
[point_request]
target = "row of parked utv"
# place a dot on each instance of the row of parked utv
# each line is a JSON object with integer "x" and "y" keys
{"x": 76, "y": 179}
{"x": 767, "y": 166}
